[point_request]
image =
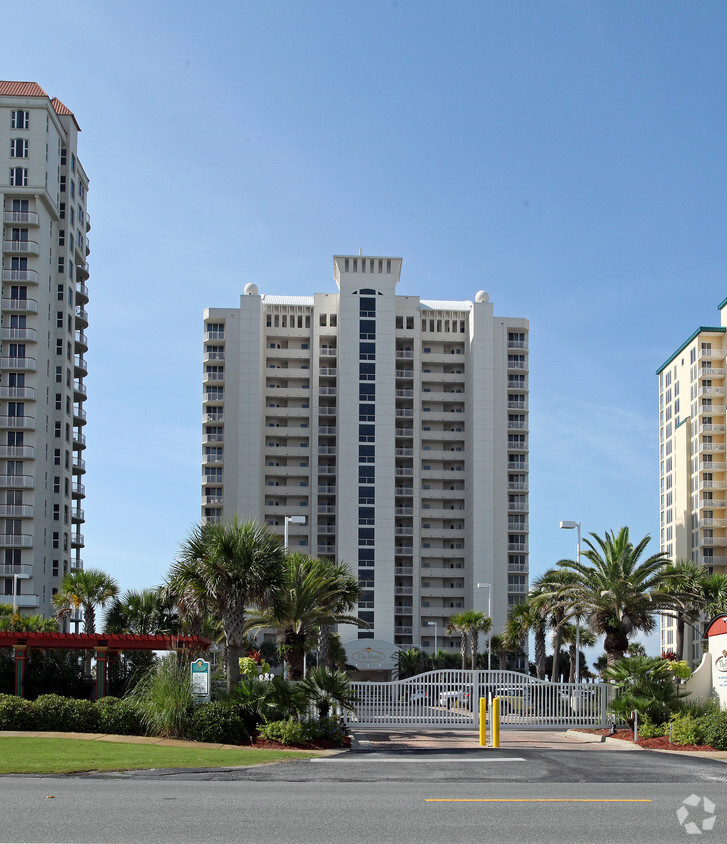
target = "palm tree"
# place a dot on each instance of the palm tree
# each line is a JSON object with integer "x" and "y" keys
{"x": 148, "y": 611}
{"x": 478, "y": 623}
{"x": 325, "y": 688}
{"x": 524, "y": 617}
{"x": 714, "y": 592}
{"x": 14, "y": 622}
{"x": 685, "y": 582}
{"x": 553, "y": 593}
{"x": 458, "y": 625}
{"x": 569, "y": 634}
{"x": 617, "y": 591}
{"x": 85, "y": 589}
{"x": 411, "y": 662}
{"x": 312, "y": 594}
{"x": 344, "y": 592}
{"x": 225, "y": 568}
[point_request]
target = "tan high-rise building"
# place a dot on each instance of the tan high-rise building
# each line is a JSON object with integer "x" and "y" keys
{"x": 44, "y": 247}
{"x": 396, "y": 429}
{"x": 692, "y": 478}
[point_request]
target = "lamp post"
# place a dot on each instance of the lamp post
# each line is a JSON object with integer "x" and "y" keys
{"x": 434, "y": 625}
{"x": 296, "y": 520}
{"x": 488, "y": 586}
{"x": 571, "y": 526}
{"x": 17, "y": 575}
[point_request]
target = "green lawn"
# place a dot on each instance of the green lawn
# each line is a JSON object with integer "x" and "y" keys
{"x": 65, "y": 756}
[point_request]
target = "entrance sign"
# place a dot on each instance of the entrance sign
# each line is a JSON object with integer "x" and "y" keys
{"x": 200, "y": 681}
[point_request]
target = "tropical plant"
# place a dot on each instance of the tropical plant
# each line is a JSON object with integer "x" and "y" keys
{"x": 260, "y": 701}
{"x": 163, "y": 697}
{"x": 523, "y": 618}
{"x": 685, "y": 582}
{"x": 586, "y": 638}
{"x": 311, "y": 595}
{"x": 411, "y": 662}
{"x": 145, "y": 612}
{"x": 478, "y": 623}
{"x": 617, "y": 591}
{"x": 714, "y": 592}
{"x": 325, "y": 689}
{"x": 15, "y": 622}
{"x": 459, "y": 625}
{"x": 84, "y": 589}
{"x": 645, "y": 684}
{"x": 225, "y": 568}
{"x": 553, "y": 595}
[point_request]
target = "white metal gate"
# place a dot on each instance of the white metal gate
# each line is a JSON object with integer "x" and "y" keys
{"x": 450, "y": 698}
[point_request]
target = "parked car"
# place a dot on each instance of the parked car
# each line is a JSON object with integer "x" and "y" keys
{"x": 456, "y": 697}
{"x": 418, "y": 695}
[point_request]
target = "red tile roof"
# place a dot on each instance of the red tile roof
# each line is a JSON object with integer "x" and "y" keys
{"x": 59, "y": 108}
{"x": 21, "y": 89}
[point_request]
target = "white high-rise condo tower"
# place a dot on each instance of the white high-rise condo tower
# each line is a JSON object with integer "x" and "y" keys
{"x": 692, "y": 478}
{"x": 398, "y": 428}
{"x": 42, "y": 369}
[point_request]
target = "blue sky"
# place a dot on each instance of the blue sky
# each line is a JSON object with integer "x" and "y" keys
{"x": 567, "y": 157}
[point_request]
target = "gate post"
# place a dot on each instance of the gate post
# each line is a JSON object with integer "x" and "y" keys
{"x": 21, "y": 658}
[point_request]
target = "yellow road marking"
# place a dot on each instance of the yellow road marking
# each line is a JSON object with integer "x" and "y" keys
{"x": 533, "y": 800}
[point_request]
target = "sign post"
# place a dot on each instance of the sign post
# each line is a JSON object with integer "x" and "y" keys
{"x": 200, "y": 681}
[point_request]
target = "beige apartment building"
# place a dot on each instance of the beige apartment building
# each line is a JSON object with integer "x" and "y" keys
{"x": 43, "y": 191}
{"x": 692, "y": 478}
{"x": 378, "y": 429}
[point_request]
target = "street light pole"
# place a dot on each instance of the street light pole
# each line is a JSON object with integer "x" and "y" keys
{"x": 488, "y": 586}
{"x": 434, "y": 624}
{"x": 570, "y": 526}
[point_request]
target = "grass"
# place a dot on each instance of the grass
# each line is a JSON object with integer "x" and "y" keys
{"x": 20, "y": 755}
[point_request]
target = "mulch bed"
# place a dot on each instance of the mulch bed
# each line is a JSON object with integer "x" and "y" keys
{"x": 320, "y": 744}
{"x": 657, "y": 743}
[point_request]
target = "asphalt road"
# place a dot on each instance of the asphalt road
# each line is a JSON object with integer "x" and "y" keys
{"x": 504, "y": 796}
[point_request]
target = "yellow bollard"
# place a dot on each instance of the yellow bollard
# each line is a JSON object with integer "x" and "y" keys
{"x": 495, "y": 721}
{"x": 483, "y": 722}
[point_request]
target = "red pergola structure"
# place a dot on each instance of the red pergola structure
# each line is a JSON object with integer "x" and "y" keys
{"x": 105, "y": 646}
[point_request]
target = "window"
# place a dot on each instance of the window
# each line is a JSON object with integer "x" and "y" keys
{"x": 19, "y": 119}
{"x": 62, "y": 184}
{"x": 19, "y": 177}
{"x": 18, "y": 148}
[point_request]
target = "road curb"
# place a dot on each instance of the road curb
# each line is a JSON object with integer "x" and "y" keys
{"x": 613, "y": 742}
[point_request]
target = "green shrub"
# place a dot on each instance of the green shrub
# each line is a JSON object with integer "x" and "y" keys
{"x": 217, "y": 722}
{"x": 15, "y": 713}
{"x": 333, "y": 729}
{"x": 649, "y": 730}
{"x": 686, "y": 729}
{"x": 119, "y": 717}
{"x": 82, "y": 716}
{"x": 714, "y": 726}
{"x": 52, "y": 712}
{"x": 289, "y": 731}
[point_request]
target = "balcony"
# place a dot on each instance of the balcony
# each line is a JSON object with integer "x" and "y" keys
{"x": 404, "y": 354}
{"x": 79, "y": 439}
{"x": 25, "y": 422}
{"x": 710, "y": 372}
{"x": 27, "y": 601}
{"x": 327, "y": 391}
{"x": 26, "y": 334}
{"x": 403, "y": 570}
{"x": 20, "y": 306}
{"x": 24, "y": 276}
{"x": 16, "y": 540}
{"x": 403, "y": 631}
{"x": 18, "y": 364}
{"x": 403, "y": 531}
{"x": 711, "y": 429}
{"x": 28, "y": 218}
{"x": 16, "y": 511}
{"x": 710, "y": 409}
{"x": 80, "y": 342}
{"x": 77, "y": 540}
{"x": 710, "y": 391}
{"x": 711, "y": 466}
{"x": 710, "y": 447}
{"x": 521, "y": 547}
{"x": 81, "y": 317}
{"x": 21, "y": 569}
{"x": 22, "y": 452}
{"x": 217, "y": 336}
{"x": 327, "y": 489}
{"x": 17, "y": 393}
{"x": 218, "y": 460}
{"x": 517, "y": 506}
{"x": 212, "y": 438}
{"x": 326, "y": 449}
{"x": 210, "y": 500}
{"x": 328, "y": 371}
{"x": 517, "y": 404}
{"x": 81, "y": 293}
{"x": 328, "y": 352}
{"x": 82, "y": 274}
{"x": 327, "y": 431}
{"x": 516, "y": 426}
{"x": 513, "y": 466}
{"x": 77, "y": 514}
{"x": 79, "y": 391}
{"x": 403, "y": 590}
{"x": 405, "y": 432}
{"x": 22, "y": 247}
{"x": 78, "y": 490}
{"x": 517, "y": 567}
{"x": 712, "y": 485}
{"x": 79, "y": 415}
{"x": 79, "y": 465}
{"x": 712, "y": 504}
{"x": 80, "y": 367}
{"x": 213, "y": 376}
{"x": 713, "y": 541}
{"x": 327, "y": 551}
{"x": 517, "y": 364}
{"x": 208, "y": 356}
{"x": 517, "y": 344}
